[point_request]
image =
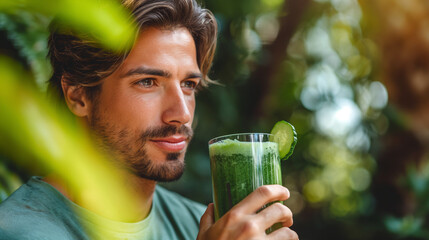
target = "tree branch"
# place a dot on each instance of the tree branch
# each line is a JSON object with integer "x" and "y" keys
{"x": 266, "y": 71}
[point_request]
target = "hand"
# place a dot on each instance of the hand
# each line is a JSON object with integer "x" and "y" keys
{"x": 242, "y": 221}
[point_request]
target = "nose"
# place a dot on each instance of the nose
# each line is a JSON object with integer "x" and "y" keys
{"x": 178, "y": 108}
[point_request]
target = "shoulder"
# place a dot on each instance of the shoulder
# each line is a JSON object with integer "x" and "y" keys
{"x": 35, "y": 211}
{"x": 169, "y": 199}
{"x": 178, "y": 216}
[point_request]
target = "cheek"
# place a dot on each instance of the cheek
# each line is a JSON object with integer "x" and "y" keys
{"x": 141, "y": 111}
{"x": 132, "y": 110}
{"x": 191, "y": 105}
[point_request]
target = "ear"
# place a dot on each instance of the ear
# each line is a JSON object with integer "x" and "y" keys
{"x": 75, "y": 98}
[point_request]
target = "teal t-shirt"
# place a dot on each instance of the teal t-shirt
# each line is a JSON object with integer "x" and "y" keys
{"x": 38, "y": 211}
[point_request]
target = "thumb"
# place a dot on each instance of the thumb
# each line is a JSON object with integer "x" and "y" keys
{"x": 207, "y": 220}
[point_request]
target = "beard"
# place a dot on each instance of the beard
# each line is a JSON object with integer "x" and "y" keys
{"x": 130, "y": 149}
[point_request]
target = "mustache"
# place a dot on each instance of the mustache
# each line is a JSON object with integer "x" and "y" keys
{"x": 166, "y": 131}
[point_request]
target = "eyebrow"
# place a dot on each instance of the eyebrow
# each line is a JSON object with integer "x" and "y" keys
{"x": 157, "y": 72}
{"x": 147, "y": 71}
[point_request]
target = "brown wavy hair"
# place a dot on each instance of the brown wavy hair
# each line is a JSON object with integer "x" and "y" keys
{"x": 81, "y": 61}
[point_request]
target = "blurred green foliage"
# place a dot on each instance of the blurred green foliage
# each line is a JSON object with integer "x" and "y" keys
{"x": 37, "y": 137}
{"x": 104, "y": 20}
{"x": 48, "y": 139}
{"x": 27, "y": 32}
{"x": 415, "y": 224}
{"x": 315, "y": 68}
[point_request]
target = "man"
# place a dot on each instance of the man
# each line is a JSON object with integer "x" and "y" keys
{"x": 140, "y": 106}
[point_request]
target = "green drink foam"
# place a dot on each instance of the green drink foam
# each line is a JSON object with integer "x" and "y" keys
{"x": 230, "y": 147}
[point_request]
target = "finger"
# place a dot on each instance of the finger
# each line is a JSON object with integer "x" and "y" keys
{"x": 283, "y": 233}
{"x": 207, "y": 220}
{"x": 261, "y": 196}
{"x": 276, "y": 213}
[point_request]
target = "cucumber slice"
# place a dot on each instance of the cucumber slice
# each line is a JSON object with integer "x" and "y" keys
{"x": 285, "y": 135}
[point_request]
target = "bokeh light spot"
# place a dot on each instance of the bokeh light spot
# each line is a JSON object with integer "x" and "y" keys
{"x": 379, "y": 95}
{"x": 314, "y": 191}
{"x": 360, "y": 179}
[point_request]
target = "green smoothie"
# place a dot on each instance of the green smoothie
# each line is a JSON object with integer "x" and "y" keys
{"x": 238, "y": 168}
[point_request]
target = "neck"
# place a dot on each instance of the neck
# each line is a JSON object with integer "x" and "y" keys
{"x": 141, "y": 189}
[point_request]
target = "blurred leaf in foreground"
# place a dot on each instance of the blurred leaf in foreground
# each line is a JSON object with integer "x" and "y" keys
{"x": 106, "y": 21}
{"x": 36, "y": 133}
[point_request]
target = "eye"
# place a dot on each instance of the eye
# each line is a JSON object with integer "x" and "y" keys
{"x": 189, "y": 84}
{"x": 147, "y": 82}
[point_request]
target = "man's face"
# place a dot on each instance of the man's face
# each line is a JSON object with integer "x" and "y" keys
{"x": 144, "y": 111}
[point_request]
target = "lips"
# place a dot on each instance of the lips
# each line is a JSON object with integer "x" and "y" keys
{"x": 175, "y": 143}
